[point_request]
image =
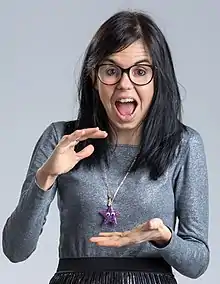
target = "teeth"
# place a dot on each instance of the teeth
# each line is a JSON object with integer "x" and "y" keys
{"x": 127, "y": 100}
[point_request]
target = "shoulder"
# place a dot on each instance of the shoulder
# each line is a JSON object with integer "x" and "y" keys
{"x": 191, "y": 146}
{"x": 191, "y": 151}
{"x": 191, "y": 141}
{"x": 191, "y": 137}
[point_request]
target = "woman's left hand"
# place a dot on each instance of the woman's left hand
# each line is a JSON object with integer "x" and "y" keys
{"x": 153, "y": 230}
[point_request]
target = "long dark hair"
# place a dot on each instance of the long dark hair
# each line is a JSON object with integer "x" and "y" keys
{"x": 162, "y": 127}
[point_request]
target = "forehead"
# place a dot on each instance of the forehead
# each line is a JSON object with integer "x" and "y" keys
{"x": 135, "y": 52}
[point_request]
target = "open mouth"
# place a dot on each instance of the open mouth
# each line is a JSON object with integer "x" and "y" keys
{"x": 126, "y": 106}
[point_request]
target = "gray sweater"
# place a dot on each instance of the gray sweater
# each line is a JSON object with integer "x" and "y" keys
{"x": 181, "y": 193}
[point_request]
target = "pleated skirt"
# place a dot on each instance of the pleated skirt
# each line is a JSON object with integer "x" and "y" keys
{"x": 113, "y": 270}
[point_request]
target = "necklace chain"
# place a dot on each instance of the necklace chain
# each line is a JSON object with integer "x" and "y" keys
{"x": 109, "y": 195}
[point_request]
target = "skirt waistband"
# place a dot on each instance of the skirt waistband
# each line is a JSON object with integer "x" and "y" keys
{"x": 100, "y": 264}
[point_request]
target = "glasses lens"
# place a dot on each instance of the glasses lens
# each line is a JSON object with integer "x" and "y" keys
{"x": 141, "y": 74}
{"x": 109, "y": 74}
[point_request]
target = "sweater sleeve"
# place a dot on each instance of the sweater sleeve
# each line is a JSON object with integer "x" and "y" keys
{"x": 24, "y": 226}
{"x": 188, "y": 250}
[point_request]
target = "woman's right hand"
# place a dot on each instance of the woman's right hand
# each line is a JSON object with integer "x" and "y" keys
{"x": 64, "y": 156}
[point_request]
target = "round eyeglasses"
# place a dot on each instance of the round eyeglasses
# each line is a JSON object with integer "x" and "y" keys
{"x": 139, "y": 74}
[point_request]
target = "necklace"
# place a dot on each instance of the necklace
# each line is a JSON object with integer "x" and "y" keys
{"x": 109, "y": 214}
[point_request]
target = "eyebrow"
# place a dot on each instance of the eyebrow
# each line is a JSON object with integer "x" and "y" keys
{"x": 145, "y": 60}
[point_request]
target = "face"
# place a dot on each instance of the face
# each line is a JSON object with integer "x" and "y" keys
{"x": 125, "y": 102}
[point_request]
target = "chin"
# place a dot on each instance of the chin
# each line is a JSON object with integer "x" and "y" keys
{"x": 123, "y": 126}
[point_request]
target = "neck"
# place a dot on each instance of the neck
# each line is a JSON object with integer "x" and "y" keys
{"x": 129, "y": 137}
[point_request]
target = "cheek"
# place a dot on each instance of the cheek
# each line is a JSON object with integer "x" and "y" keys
{"x": 146, "y": 95}
{"x": 105, "y": 93}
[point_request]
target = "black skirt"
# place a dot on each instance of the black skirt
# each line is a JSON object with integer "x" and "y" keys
{"x": 113, "y": 270}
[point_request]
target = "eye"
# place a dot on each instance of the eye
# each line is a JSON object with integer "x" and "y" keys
{"x": 113, "y": 214}
{"x": 111, "y": 71}
{"x": 140, "y": 71}
{"x": 108, "y": 214}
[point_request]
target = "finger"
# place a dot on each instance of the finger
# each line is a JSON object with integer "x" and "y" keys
{"x": 84, "y": 134}
{"x": 68, "y": 140}
{"x": 154, "y": 224}
{"x": 102, "y": 239}
{"x": 77, "y": 134}
{"x": 85, "y": 152}
{"x": 107, "y": 242}
{"x": 95, "y": 135}
{"x": 111, "y": 234}
{"x": 97, "y": 239}
{"x": 114, "y": 243}
{"x": 85, "y": 131}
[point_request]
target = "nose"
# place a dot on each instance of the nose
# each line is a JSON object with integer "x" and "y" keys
{"x": 125, "y": 82}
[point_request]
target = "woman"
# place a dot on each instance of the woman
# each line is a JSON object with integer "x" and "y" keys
{"x": 125, "y": 171}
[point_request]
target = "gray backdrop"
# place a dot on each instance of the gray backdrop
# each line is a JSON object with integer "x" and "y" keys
{"x": 41, "y": 47}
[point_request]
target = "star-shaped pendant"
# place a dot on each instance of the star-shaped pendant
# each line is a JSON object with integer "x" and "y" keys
{"x": 110, "y": 216}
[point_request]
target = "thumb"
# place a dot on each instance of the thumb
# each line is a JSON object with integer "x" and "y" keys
{"x": 153, "y": 224}
{"x": 85, "y": 153}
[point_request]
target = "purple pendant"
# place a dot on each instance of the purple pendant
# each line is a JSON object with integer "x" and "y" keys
{"x": 109, "y": 215}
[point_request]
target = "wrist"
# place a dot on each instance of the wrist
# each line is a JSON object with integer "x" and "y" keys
{"x": 44, "y": 180}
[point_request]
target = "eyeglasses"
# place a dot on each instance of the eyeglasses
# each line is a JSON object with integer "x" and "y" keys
{"x": 139, "y": 74}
